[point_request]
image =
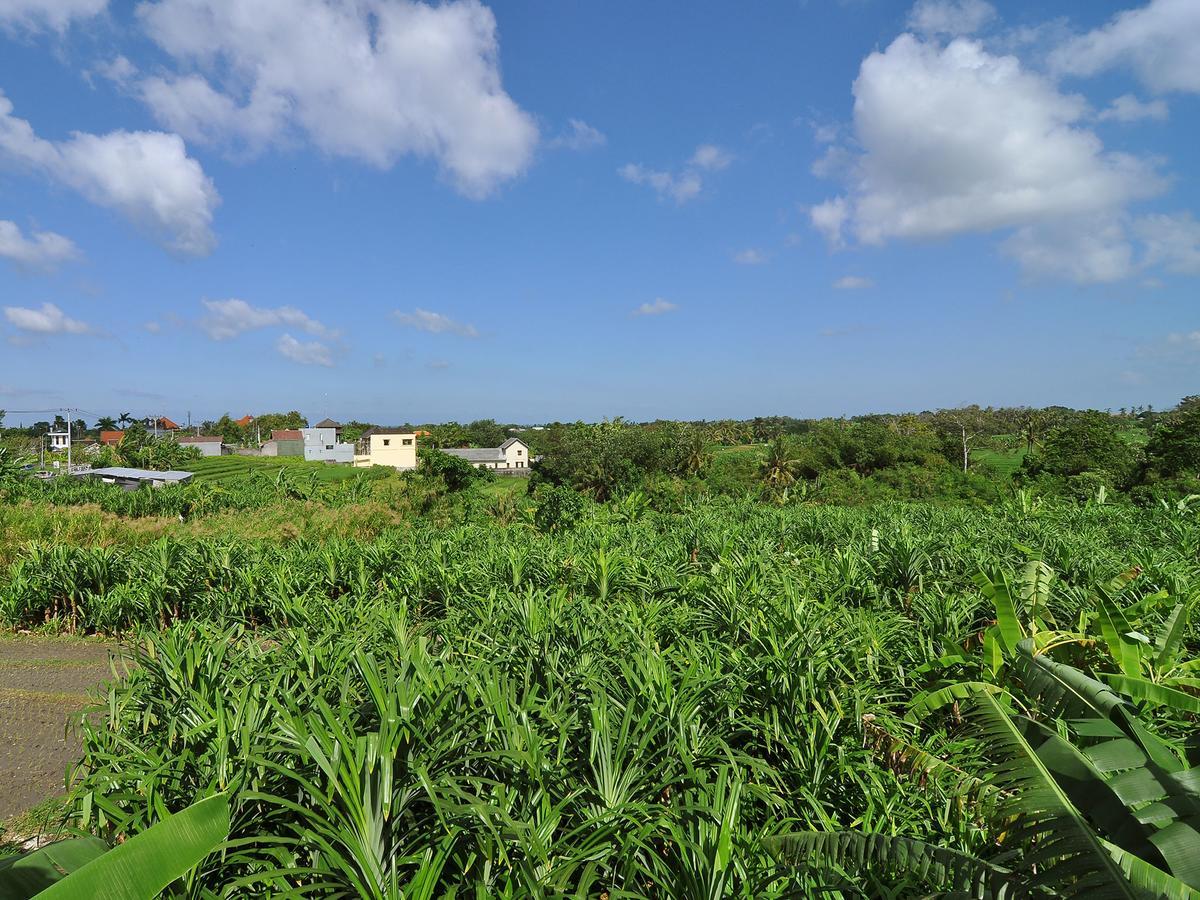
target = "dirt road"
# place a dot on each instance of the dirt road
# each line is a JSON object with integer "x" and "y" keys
{"x": 43, "y": 681}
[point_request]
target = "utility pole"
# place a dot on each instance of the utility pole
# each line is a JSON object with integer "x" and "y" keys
{"x": 68, "y": 412}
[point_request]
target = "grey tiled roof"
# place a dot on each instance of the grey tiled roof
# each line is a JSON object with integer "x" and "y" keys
{"x": 477, "y": 454}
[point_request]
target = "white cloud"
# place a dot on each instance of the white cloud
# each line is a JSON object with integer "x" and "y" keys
{"x": 1189, "y": 340}
{"x": 1170, "y": 241}
{"x": 47, "y": 320}
{"x": 119, "y": 70}
{"x": 434, "y": 323}
{"x": 372, "y": 81}
{"x": 711, "y": 158}
{"x": 751, "y": 256}
{"x": 853, "y": 283}
{"x": 1160, "y": 42}
{"x": 955, "y": 140}
{"x": 950, "y": 17}
{"x": 229, "y": 318}
{"x": 1128, "y": 108}
{"x": 657, "y": 308}
{"x": 307, "y": 353}
{"x": 55, "y": 15}
{"x": 830, "y": 219}
{"x": 685, "y": 184}
{"x": 43, "y": 250}
{"x": 680, "y": 188}
{"x": 152, "y": 327}
{"x": 146, "y": 176}
{"x": 579, "y": 136}
{"x": 1087, "y": 251}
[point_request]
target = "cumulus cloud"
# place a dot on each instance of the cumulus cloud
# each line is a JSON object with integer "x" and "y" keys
{"x": 1128, "y": 108}
{"x": 49, "y": 319}
{"x": 954, "y": 140}
{"x": 228, "y": 318}
{"x": 54, "y": 15}
{"x": 710, "y": 158}
{"x": 657, "y": 308}
{"x": 853, "y": 283}
{"x": 434, "y": 323}
{"x": 579, "y": 135}
{"x": 751, "y": 256}
{"x": 685, "y": 184}
{"x": 1170, "y": 241}
{"x": 373, "y": 80}
{"x": 950, "y": 17}
{"x": 145, "y": 176}
{"x": 1158, "y": 42}
{"x": 119, "y": 70}
{"x": 43, "y": 250}
{"x": 307, "y": 353}
{"x": 1186, "y": 339}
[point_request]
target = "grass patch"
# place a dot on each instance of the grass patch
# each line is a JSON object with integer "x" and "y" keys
{"x": 46, "y": 822}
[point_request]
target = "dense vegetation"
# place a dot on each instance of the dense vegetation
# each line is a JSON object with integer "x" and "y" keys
{"x": 670, "y": 669}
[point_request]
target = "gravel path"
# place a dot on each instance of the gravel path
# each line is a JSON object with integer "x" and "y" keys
{"x": 43, "y": 680}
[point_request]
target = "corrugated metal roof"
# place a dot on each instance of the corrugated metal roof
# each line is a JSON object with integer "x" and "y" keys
{"x": 477, "y": 454}
{"x": 140, "y": 474}
{"x": 199, "y": 439}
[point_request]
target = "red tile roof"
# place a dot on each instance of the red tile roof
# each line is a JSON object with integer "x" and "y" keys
{"x": 111, "y": 438}
{"x": 286, "y": 436}
{"x": 244, "y": 421}
{"x": 166, "y": 424}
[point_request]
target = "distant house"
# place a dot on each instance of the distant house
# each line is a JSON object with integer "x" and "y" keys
{"x": 111, "y": 438}
{"x": 386, "y": 447}
{"x": 512, "y": 455}
{"x": 59, "y": 441}
{"x": 321, "y": 443}
{"x": 206, "y": 444}
{"x": 284, "y": 443}
{"x": 132, "y": 479}
{"x": 244, "y": 421}
{"x": 162, "y": 423}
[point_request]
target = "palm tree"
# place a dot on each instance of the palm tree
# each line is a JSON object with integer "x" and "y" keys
{"x": 778, "y": 470}
{"x": 106, "y": 423}
{"x": 125, "y": 418}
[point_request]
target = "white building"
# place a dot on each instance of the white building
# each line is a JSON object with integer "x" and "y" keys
{"x": 208, "y": 445}
{"x": 387, "y": 447}
{"x": 512, "y": 455}
{"x": 59, "y": 441}
{"x": 322, "y": 443}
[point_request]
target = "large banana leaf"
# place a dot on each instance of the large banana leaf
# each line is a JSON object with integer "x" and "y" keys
{"x": 24, "y": 876}
{"x": 138, "y": 869}
{"x": 1055, "y": 837}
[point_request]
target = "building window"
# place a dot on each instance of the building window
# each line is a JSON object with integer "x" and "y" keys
{"x": 518, "y": 453}
{"x": 387, "y": 442}
{"x": 407, "y": 442}
{"x": 329, "y": 446}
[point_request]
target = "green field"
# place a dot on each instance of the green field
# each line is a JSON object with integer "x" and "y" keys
{"x": 227, "y": 469}
{"x": 1006, "y": 462}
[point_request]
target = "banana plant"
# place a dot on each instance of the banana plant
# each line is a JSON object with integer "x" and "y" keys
{"x": 138, "y": 869}
{"x": 1107, "y": 811}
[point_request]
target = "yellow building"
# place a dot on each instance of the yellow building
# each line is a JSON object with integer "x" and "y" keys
{"x": 386, "y": 447}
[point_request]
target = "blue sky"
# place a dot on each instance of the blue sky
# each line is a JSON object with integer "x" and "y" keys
{"x": 390, "y": 211}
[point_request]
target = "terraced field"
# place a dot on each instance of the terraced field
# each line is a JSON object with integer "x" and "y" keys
{"x": 227, "y": 469}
